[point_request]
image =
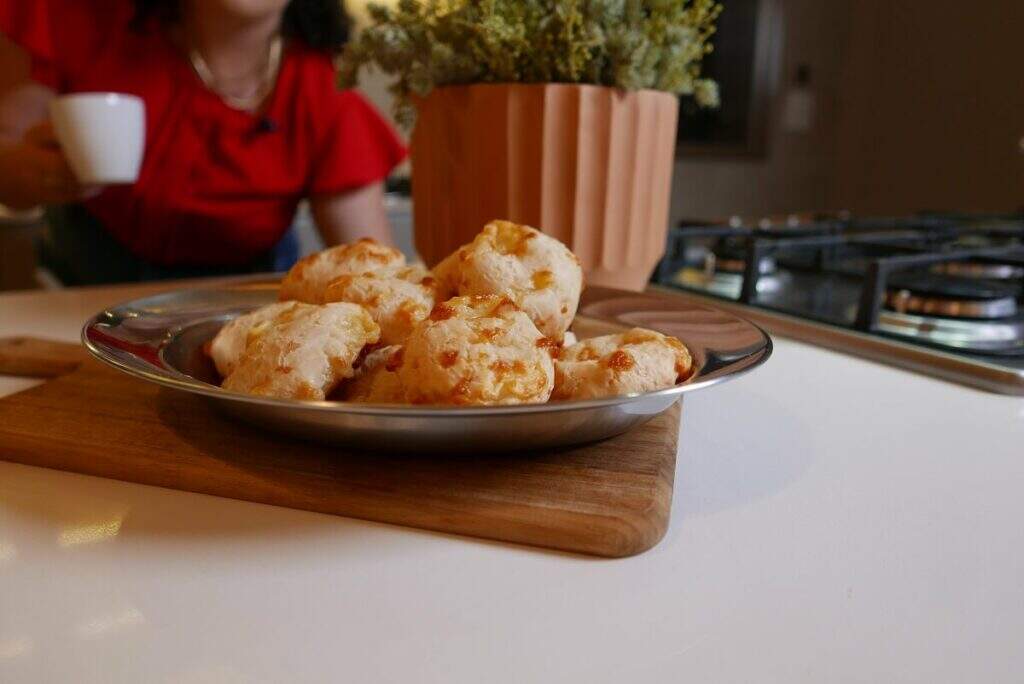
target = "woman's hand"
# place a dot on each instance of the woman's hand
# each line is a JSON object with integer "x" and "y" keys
{"x": 34, "y": 171}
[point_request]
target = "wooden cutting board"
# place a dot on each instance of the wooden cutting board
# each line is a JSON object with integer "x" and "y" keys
{"x": 607, "y": 499}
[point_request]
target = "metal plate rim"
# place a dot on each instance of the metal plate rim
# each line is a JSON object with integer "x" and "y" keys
{"x": 174, "y": 379}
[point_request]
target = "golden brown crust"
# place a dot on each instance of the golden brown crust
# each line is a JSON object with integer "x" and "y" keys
{"x": 476, "y": 350}
{"x": 536, "y": 271}
{"x": 397, "y": 299}
{"x": 309, "y": 277}
{"x": 636, "y": 361}
{"x": 375, "y": 381}
{"x": 305, "y": 352}
{"x": 231, "y": 341}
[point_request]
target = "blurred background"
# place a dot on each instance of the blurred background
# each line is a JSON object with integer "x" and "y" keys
{"x": 874, "y": 107}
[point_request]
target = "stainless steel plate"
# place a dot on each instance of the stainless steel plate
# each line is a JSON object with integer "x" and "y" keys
{"x": 161, "y": 338}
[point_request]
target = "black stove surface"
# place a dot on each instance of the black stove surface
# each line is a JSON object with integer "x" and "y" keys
{"x": 842, "y": 272}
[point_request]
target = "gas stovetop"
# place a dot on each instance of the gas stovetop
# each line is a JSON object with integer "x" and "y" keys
{"x": 939, "y": 294}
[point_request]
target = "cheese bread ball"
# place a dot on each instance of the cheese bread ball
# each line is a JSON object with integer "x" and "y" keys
{"x": 304, "y": 353}
{"x": 537, "y": 271}
{"x": 376, "y": 380}
{"x": 477, "y": 350}
{"x": 397, "y": 300}
{"x": 309, "y": 277}
{"x": 638, "y": 360}
{"x": 227, "y": 347}
{"x": 446, "y": 275}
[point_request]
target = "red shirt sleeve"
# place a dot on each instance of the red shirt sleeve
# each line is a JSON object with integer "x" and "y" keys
{"x": 60, "y": 36}
{"x": 356, "y": 146}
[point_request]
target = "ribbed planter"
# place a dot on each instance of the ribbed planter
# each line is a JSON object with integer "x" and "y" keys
{"x": 590, "y": 165}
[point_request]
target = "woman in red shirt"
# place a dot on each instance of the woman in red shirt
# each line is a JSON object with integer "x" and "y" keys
{"x": 243, "y": 120}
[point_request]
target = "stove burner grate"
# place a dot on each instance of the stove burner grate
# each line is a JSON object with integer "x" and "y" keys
{"x": 935, "y": 294}
{"x": 940, "y": 282}
{"x": 977, "y": 269}
{"x": 905, "y": 301}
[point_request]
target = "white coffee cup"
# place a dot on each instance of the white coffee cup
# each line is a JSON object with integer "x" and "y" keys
{"x": 103, "y": 135}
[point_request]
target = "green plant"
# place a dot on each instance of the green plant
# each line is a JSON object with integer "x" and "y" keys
{"x": 629, "y": 44}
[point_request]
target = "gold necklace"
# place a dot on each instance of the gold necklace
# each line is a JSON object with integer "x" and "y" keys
{"x": 249, "y": 101}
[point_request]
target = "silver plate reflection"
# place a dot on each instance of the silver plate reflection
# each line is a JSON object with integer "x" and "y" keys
{"x": 160, "y": 339}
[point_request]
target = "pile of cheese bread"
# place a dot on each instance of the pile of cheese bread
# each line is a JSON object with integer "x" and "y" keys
{"x": 489, "y": 325}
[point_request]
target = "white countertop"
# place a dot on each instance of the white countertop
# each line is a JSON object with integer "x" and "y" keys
{"x": 834, "y": 521}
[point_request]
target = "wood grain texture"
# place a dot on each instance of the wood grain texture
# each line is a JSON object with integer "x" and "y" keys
{"x": 607, "y": 499}
{"x": 31, "y": 357}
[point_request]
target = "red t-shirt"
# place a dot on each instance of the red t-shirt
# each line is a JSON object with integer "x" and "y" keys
{"x": 216, "y": 186}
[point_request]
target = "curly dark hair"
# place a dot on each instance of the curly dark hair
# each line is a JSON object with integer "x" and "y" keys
{"x": 320, "y": 24}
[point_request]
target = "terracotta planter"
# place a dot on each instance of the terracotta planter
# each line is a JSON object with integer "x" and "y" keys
{"x": 589, "y": 165}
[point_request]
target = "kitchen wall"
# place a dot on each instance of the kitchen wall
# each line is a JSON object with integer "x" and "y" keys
{"x": 932, "y": 109}
{"x": 795, "y": 173}
{"x": 920, "y": 106}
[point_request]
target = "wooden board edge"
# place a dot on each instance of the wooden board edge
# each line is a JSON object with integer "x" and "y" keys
{"x": 619, "y": 536}
{"x": 34, "y": 357}
{"x": 649, "y": 524}
{"x": 626, "y": 533}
